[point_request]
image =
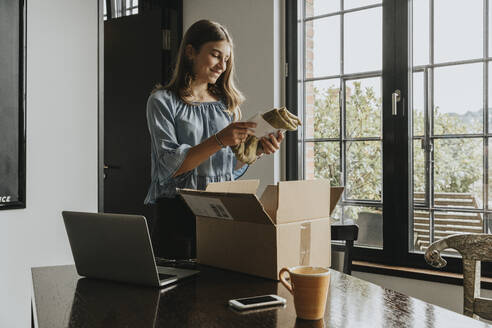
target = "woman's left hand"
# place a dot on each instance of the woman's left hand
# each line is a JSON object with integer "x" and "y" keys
{"x": 271, "y": 145}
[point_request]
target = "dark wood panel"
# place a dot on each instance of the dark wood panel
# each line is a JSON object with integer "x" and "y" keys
{"x": 62, "y": 299}
{"x": 132, "y": 67}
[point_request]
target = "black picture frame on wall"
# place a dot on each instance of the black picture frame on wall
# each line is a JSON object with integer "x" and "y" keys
{"x": 12, "y": 104}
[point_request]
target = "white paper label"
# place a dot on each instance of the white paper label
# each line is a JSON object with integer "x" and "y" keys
{"x": 263, "y": 128}
{"x": 207, "y": 206}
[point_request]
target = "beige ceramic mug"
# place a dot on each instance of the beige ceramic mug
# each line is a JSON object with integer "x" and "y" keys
{"x": 309, "y": 286}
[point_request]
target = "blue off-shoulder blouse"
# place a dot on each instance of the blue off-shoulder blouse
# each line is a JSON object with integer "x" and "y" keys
{"x": 175, "y": 127}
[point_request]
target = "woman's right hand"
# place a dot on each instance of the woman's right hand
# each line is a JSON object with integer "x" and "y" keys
{"x": 235, "y": 133}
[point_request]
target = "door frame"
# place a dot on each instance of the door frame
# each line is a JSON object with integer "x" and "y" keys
{"x": 100, "y": 106}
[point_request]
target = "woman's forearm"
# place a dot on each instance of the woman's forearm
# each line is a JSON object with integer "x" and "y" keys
{"x": 198, "y": 154}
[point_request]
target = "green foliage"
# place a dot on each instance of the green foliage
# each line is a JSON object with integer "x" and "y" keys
{"x": 458, "y": 161}
{"x": 363, "y": 117}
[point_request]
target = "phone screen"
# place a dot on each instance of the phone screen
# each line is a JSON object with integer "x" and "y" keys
{"x": 255, "y": 300}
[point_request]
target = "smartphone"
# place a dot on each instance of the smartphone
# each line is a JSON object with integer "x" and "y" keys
{"x": 256, "y": 302}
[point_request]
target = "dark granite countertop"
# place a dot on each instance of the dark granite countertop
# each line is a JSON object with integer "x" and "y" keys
{"x": 64, "y": 299}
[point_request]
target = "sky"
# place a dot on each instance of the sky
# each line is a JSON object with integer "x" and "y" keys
{"x": 458, "y": 35}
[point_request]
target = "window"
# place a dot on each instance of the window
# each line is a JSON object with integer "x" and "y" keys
{"x": 341, "y": 86}
{"x": 119, "y": 8}
{"x": 450, "y": 128}
{"x": 410, "y": 178}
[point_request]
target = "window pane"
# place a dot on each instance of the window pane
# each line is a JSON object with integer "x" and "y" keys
{"x": 490, "y": 29}
{"x": 418, "y": 104}
{"x": 451, "y": 223}
{"x": 420, "y": 229}
{"x": 309, "y": 161}
{"x": 336, "y": 216}
{"x": 322, "y": 47}
{"x": 322, "y": 109}
{"x": 418, "y": 171}
{"x": 348, "y": 4}
{"x": 420, "y": 32}
{"x": 458, "y": 172}
{"x": 370, "y": 222}
{"x": 326, "y": 161}
{"x": 446, "y": 223}
{"x": 458, "y": 31}
{"x": 321, "y": 7}
{"x": 458, "y": 100}
{"x": 489, "y": 182}
{"x": 364, "y": 170}
{"x": 363, "y": 41}
{"x": 363, "y": 108}
{"x": 490, "y": 97}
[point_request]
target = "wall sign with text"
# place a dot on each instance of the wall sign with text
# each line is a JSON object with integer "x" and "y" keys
{"x": 12, "y": 105}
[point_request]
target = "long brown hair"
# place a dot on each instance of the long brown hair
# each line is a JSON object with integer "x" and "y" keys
{"x": 197, "y": 35}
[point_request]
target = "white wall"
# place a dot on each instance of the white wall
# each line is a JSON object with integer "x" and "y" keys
{"x": 256, "y": 27}
{"x": 62, "y": 100}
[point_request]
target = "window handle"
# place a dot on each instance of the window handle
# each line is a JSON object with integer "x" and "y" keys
{"x": 395, "y": 98}
{"x": 111, "y": 167}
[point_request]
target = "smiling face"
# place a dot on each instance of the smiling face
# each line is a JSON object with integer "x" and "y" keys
{"x": 211, "y": 61}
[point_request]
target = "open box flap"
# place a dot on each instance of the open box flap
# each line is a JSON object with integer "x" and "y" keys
{"x": 269, "y": 200}
{"x": 303, "y": 200}
{"x": 335, "y": 195}
{"x": 226, "y": 205}
{"x": 239, "y": 186}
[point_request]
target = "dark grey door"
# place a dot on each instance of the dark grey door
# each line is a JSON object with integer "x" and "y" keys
{"x": 132, "y": 66}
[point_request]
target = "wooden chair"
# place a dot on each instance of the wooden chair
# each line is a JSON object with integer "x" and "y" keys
{"x": 349, "y": 234}
{"x": 474, "y": 248}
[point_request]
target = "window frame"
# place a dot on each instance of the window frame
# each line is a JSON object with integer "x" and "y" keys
{"x": 397, "y": 142}
{"x": 118, "y": 8}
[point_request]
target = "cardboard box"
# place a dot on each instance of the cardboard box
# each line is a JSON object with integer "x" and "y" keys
{"x": 288, "y": 226}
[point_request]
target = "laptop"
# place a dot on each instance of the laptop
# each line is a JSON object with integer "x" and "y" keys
{"x": 117, "y": 247}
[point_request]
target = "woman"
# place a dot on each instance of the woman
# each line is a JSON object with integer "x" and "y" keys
{"x": 192, "y": 121}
